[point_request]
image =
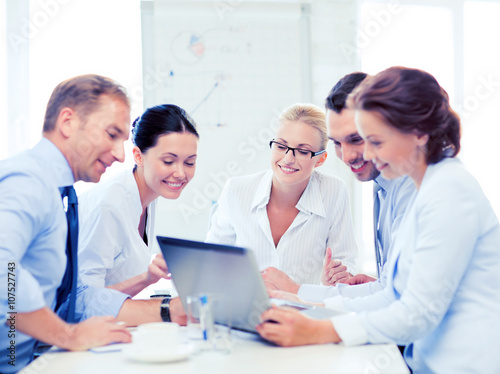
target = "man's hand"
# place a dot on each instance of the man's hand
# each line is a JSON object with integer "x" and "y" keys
{"x": 97, "y": 331}
{"x": 43, "y": 324}
{"x": 290, "y": 328}
{"x": 277, "y": 280}
{"x": 360, "y": 279}
{"x": 157, "y": 269}
{"x": 333, "y": 270}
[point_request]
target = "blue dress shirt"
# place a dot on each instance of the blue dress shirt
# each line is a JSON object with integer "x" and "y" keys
{"x": 32, "y": 236}
{"x": 33, "y": 233}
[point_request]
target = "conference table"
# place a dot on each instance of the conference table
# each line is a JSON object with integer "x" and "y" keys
{"x": 249, "y": 354}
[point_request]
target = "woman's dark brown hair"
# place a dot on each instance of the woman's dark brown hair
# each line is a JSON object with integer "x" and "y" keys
{"x": 412, "y": 101}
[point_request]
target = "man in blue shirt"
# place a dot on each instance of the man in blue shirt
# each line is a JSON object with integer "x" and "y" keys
{"x": 86, "y": 124}
{"x": 393, "y": 194}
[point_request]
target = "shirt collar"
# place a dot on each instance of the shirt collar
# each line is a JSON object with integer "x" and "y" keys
{"x": 263, "y": 191}
{"x": 48, "y": 153}
{"x": 383, "y": 183}
{"x": 311, "y": 200}
{"x": 133, "y": 187}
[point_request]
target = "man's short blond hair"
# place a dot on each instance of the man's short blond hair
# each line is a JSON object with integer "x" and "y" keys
{"x": 82, "y": 94}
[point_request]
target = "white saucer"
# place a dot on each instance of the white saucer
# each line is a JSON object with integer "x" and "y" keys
{"x": 137, "y": 354}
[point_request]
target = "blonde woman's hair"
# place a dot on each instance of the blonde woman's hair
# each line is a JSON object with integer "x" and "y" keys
{"x": 309, "y": 114}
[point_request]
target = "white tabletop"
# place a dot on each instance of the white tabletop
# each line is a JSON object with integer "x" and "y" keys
{"x": 250, "y": 354}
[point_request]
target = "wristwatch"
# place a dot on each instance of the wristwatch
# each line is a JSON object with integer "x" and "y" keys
{"x": 165, "y": 309}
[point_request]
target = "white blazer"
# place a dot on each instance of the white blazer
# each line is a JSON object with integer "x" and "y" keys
{"x": 443, "y": 294}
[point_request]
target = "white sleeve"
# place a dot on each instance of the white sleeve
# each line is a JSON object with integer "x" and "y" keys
{"x": 100, "y": 241}
{"x": 221, "y": 228}
{"x": 349, "y": 326}
{"x": 316, "y": 293}
{"x": 378, "y": 300}
{"x": 349, "y": 329}
{"x": 359, "y": 290}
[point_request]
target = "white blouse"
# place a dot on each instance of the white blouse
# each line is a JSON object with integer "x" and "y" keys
{"x": 110, "y": 249}
{"x": 324, "y": 219}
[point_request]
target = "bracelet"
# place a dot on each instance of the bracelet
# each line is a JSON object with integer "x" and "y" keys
{"x": 165, "y": 309}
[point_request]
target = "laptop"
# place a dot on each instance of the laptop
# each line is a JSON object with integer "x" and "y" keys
{"x": 207, "y": 268}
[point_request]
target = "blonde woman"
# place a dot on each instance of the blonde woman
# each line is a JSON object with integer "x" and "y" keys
{"x": 289, "y": 215}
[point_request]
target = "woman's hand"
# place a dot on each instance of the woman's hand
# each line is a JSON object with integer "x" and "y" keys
{"x": 284, "y": 295}
{"x": 275, "y": 279}
{"x": 360, "y": 279}
{"x": 291, "y": 328}
{"x": 157, "y": 269}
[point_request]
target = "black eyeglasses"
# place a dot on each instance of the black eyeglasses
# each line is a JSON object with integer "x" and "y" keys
{"x": 303, "y": 154}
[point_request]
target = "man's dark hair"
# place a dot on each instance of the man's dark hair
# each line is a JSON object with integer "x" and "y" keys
{"x": 337, "y": 97}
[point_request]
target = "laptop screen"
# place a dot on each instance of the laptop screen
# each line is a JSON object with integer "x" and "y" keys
{"x": 207, "y": 268}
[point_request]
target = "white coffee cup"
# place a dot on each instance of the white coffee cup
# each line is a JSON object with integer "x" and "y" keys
{"x": 157, "y": 336}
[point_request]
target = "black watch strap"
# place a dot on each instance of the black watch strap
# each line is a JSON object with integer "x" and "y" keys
{"x": 165, "y": 309}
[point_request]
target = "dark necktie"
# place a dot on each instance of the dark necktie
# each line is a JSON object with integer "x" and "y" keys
{"x": 69, "y": 281}
{"x": 376, "y": 213}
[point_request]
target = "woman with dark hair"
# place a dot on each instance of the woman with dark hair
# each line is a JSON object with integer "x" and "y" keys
{"x": 117, "y": 215}
{"x": 442, "y": 297}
